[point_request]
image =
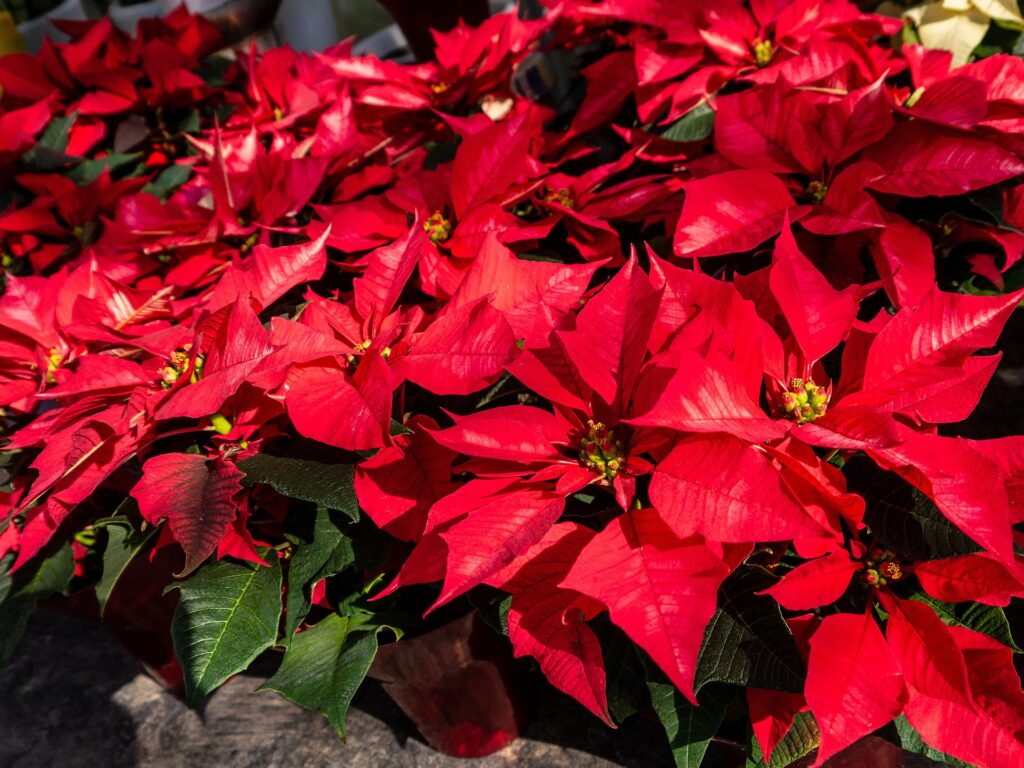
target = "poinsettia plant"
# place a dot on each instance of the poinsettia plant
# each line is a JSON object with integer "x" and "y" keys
{"x": 644, "y": 330}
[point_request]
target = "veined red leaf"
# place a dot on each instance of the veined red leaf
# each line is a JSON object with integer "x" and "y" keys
{"x": 819, "y": 315}
{"x": 816, "y": 583}
{"x": 920, "y": 160}
{"x": 397, "y": 486}
{"x": 730, "y": 212}
{"x": 971, "y": 577}
{"x": 388, "y": 270}
{"x": 659, "y": 589}
{"x": 853, "y": 684}
{"x": 519, "y": 433}
{"x": 724, "y": 489}
{"x": 547, "y": 622}
{"x": 704, "y": 396}
{"x": 240, "y": 344}
{"x": 198, "y": 501}
{"x": 350, "y": 412}
{"x": 610, "y": 339}
{"x": 489, "y": 537}
{"x": 461, "y": 352}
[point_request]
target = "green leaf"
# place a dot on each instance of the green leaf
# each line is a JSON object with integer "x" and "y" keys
{"x": 901, "y": 517}
{"x": 624, "y": 687}
{"x": 123, "y": 544}
{"x": 689, "y": 728}
{"x": 89, "y": 170}
{"x": 21, "y": 592}
{"x": 49, "y": 153}
{"x": 747, "y": 642}
{"x": 695, "y": 125}
{"x": 987, "y": 619}
{"x": 324, "y": 667}
{"x": 912, "y": 742}
{"x": 227, "y": 616}
{"x": 321, "y": 550}
{"x": 331, "y": 485}
{"x": 168, "y": 180}
{"x": 798, "y": 742}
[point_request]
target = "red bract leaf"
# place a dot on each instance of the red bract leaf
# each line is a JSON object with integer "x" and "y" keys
{"x": 727, "y": 491}
{"x": 275, "y": 271}
{"x": 610, "y": 339}
{"x": 460, "y": 352}
{"x": 851, "y": 123}
{"x": 240, "y": 343}
{"x": 930, "y": 342}
{"x": 491, "y": 536}
{"x": 853, "y": 683}
{"x": 100, "y": 373}
{"x": 818, "y": 314}
{"x": 196, "y": 498}
{"x": 398, "y": 485}
{"x": 512, "y": 433}
{"x": 768, "y": 128}
{"x": 702, "y": 396}
{"x": 906, "y": 259}
{"x": 771, "y": 716}
{"x": 1008, "y": 455}
{"x": 387, "y": 272}
{"x": 547, "y": 622}
{"x": 659, "y": 589}
{"x": 730, "y": 213}
{"x": 350, "y": 412}
{"x": 920, "y": 160}
{"x": 966, "y": 486}
{"x": 490, "y": 161}
{"x": 955, "y": 101}
{"x": 971, "y": 577}
{"x": 531, "y": 294}
{"x": 816, "y": 583}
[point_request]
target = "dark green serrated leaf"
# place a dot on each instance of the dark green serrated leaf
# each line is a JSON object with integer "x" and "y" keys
{"x": 227, "y": 616}
{"x": 88, "y": 171}
{"x": 799, "y": 741}
{"x": 324, "y": 667}
{"x": 321, "y": 550}
{"x": 123, "y": 544}
{"x": 912, "y": 742}
{"x": 695, "y": 125}
{"x": 987, "y": 619}
{"x": 330, "y": 485}
{"x": 901, "y": 517}
{"x": 747, "y": 642}
{"x": 624, "y": 687}
{"x": 21, "y": 592}
{"x": 689, "y": 728}
{"x": 49, "y": 153}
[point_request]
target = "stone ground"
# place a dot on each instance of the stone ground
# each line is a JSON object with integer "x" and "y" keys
{"x": 74, "y": 699}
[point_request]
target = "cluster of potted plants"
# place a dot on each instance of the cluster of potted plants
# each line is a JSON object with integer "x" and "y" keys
{"x": 625, "y": 339}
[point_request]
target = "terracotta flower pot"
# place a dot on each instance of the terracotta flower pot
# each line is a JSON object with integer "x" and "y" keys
{"x": 459, "y": 685}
